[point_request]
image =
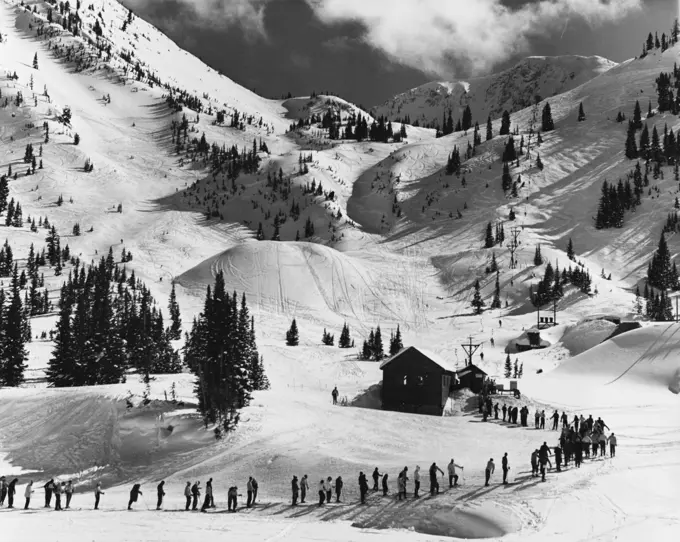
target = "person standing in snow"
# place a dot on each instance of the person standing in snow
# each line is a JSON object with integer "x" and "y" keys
{"x": 338, "y": 488}
{"x": 255, "y": 486}
{"x": 575, "y": 422}
{"x": 506, "y": 468}
{"x": 328, "y": 487}
{"x": 384, "y": 484}
{"x": 401, "y": 485}
{"x": 505, "y": 410}
{"x": 363, "y": 487}
{"x": 208, "y": 496}
{"x": 49, "y": 488}
{"x": 11, "y": 491}
{"x": 304, "y": 486}
{"x": 612, "y": 445}
{"x": 195, "y": 494}
{"x": 558, "y": 458}
{"x": 187, "y": 494}
{"x": 135, "y": 492}
{"x": 543, "y": 459}
{"x": 542, "y": 419}
{"x": 534, "y": 463}
{"x": 416, "y": 482}
{"x": 161, "y": 493}
{"x": 537, "y": 419}
{"x": 434, "y": 483}
{"x": 590, "y": 422}
{"x": 58, "y": 490}
{"x": 555, "y": 418}
{"x": 495, "y": 411}
{"x": 376, "y": 476}
{"x": 69, "y": 493}
{"x": 295, "y": 488}
{"x": 3, "y": 490}
{"x": 251, "y": 490}
{"x": 27, "y": 494}
{"x": 490, "y": 467}
{"x": 232, "y": 499}
{"x": 335, "y": 394}
{"x": 322, "y": 492}
{"x": 453, "y": 477}
{"x": 565, "y": 420}
{"x": 97, "y": 495}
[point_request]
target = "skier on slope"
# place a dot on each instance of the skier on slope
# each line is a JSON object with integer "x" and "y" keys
{"x": 322, "y": 492}
{"x": 195, "y": 494}
{"x": 384, "y": 484}
{"x": 506, "y": 468}
{"x": 69, "y": 490}
{"x": 135, "y": 492}
{"x": 534, "y": 463}
{"x": 558, "y": 458}
{"x": 490, "y": 467}
{"x": 416, "y": 482}
{"x": 58, "y": 490}
{"x": 555, "y": 418}
{"x": 434, "y": 483}
{"x": 295, "y": 488}
{"x": 335, "y": 394}
{"x": 338, "y": 488}
{"x": 328, "y": 488}
{"x": 3, "y": 490}
{"x": 27, "y": 494}
{"x": 208, "y": 496}
{"x": 161, "y": 493}
{"x": 543, "y": 459}
{"x": 363, "y": 487}
{"x": 453, "y": 477}
{"x": 304, "y": 487}
{"x": 187, "y": 494}
{"x": 612, "y": 445}
{"x": 11, "y": 491}
{"x": 49, "y": 488}
{"x": 376, "y": 476}
{"x": 97, "y": 495}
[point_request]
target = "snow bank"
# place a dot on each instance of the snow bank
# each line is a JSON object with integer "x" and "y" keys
{"x": 587, "y": 334}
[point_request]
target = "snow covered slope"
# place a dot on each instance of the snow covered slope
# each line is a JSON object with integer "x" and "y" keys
{"x": 535, "y": 77}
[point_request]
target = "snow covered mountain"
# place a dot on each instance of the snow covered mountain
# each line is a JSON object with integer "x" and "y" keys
{"x": 369, "y": 233}
{"x": 533, "y": 78}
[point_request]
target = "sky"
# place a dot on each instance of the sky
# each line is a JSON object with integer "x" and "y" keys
{"x": 369, "y": 50}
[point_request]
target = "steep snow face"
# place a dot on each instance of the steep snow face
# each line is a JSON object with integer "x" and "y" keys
{"x": 512, "y": 89}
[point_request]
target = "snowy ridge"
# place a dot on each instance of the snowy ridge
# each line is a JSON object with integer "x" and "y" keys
{"x": 512, "y": 89}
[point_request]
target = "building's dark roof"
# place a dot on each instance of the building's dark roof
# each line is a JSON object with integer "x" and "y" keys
{"x": 469, "y": 369}
{"x": 430, "y": 355}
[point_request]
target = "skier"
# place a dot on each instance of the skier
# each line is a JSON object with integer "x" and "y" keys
{"x": 453, "y": 477}
{"x": 69, "y": 493}
{"x": 612, "y": 445}
{"x": 49, "y": 487}
{"x": 27, "y": 494}
{"x": 135, "y": 492}
{"x": 251, "y": 491}
{"x": 328, "y": 487}
{"x": 255, "y": 486}
{"x": 542, "y": 419}
{"x": 495, "y": 411}
{"x": 505, "y": 410}
{"x": 384, "y": 484}
{"x": 161, "y": 494}
{"x": 97, "y": 494}
{"x": 295, "y": 488}
{"x": 506, "y": 468}
{"x": 208, "y": 496}
{"x": 590, "y": 422}
{"x": 195, "y": 494}
{"x": 565, "y": 420}
{"x": 211, "y": 504}
{"x": 555, "y": 418}
{"x": 490, "y": 467}
{"x": 376, "y": 476}
{"x": 558, "y": 458}
{"x": 335, "y": 394}
{"x": 11, "y": 491}
{"x": 534, "y": 463}
{"x": 543, "y": 454}
{"x": 304, "y": 486}
{"x": 537, "y": 419}
{"x": 322, "y": 492}
{"x": 187, "y": 494}
{"x": 363, "y": 487}
{"x": 575, "y": 422}
{"x": 416, "y": 482}
{"x": 232, "y": 500}
{"x": 338, "y": 488}
{"x": 434, "y": 483}
{"x": 3, "y": 490}
{"x": 58, "y": 490}
{"x": 401, "y": 485}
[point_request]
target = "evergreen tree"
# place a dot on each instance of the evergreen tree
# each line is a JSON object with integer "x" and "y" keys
{"x": 378, "y": 352}
{"x": 175, "y": 331}
{"x": 637, "y": 306}
{"x": 13, "y": 353}
{"x": 467, "y": 118}
{"x": 488, "y": 238}
{"x": 506, "y": 178}
{"x": 539, "y": 162}
{"x": 637, "y": 116}
{"x": 505, "y": 123}
{"x": 521, "y": 370}
{"x": 477, "y": 301}
{"x": 496, "y": 303}
{"x": 344, "y": 341}
{"x": 570, "y": 250}
{"x": 35, "y": 61}
{"x": 511, "y": 215}
{"x": 547, "y": 123}
{"x": 631, "y": 145}
{"x": 660, "y": 273}
{"x": 538, "y": 258}
{"x": 581, "y": 113}
{"x": 508, "y": 366}
{"x": 396, "y": 343}
{"x": 292, "y": 337}
{"x": 489, "y": 129}
{"x": 327, "y": 338}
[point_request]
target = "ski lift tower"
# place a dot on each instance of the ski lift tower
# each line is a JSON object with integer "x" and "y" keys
{"x": 470, "y": 348}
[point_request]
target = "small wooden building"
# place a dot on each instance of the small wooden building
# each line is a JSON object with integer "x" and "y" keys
{"x": 471, "y": 377}
{"x": 417, "y": 381}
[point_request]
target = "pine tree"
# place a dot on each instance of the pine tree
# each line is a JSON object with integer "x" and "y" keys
{"x": 467, "y": 118}
{"x": 378, "y": 352}
{"x": 637, "y": 306}
{"x": 631, "y": 145}
{"x": 344, "y": 341}
{"x": 505, "y": 123}
{"x": 327, "y": 339}
{"x": 538, "y": 258}
{"x": 547, "y": 123}
{"x": 506, "y": 178}
{"x": 477, "y": 301}
{"x": 508, "y": 367}
{"x": 13, "y": 353}
{"x": 35, "y": 61}
{"x": 175, "y": 331}
{"x": 637, "y": 116}
{"x": 581, "y": 113}
{"x": 511, "y": 215}
{"x": 539, "y": 162}
{"x": 292, "y": 337}
{"x": 396, "y": 343}
{"x": 488, "y": 238}
{"x": 489, "y": 129}
{"x": 521, "y": 370}
{"x": 496, "y": 303}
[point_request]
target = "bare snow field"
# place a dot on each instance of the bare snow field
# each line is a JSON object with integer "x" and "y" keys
{"x": 365, "y": 264}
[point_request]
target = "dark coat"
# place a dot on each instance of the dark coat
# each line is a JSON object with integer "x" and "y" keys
{"x": 135, "y": 492}
{"x": 161, "y": 491}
